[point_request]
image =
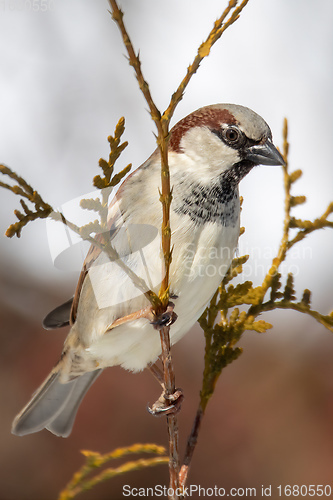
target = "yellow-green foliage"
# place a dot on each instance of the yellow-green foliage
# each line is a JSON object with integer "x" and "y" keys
{"x": 233, "y": 308}
{"x": 43, "y": 209}
{"x": 22, "y": 188}
{"x": 224, "y": 324}
{"x": 106, "y": 182}
{"x": 84, "y": 479}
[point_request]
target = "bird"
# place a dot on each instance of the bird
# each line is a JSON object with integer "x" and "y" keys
{"x": 111, "y": 322}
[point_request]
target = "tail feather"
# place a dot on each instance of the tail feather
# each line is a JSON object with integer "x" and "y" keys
{"x": 62, "y": 424}
{"x": 54, "y": 405}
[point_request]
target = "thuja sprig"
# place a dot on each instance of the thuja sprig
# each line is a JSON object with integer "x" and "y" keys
{"x": 162, "y": 122}
{"x": 43, "y": 210}
{"x": 22, "y": 188}
{"x": 96, "y": 232}
{"x": 223, "y": 323}
{"x": 82, "y": 480}
{"x": 105, "y": 183}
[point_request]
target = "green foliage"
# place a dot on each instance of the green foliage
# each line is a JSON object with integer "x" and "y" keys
{"x": 83, "y": 479}
{"x": 223, "y": 323}
{"x": 275, "y": 287}
{"x": 22, "y": 188}
{"x": 106, "y": 183}
{"x": 42, "y": 209}
{"x": 233, "y": 309}
{"x": 116, "y": 148}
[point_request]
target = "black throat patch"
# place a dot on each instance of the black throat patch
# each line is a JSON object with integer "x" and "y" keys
{"x": 217, "y": 202}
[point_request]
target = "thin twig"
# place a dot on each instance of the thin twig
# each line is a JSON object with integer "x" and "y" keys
{"x": 117, "y": 16}
{"x": 190, "y": 446}
{"x": 169, "y": 383}
{"x": 287, "y": 206}
{"x": 165, "y": 197}
{"x": 104, "y": 245}
{"x": 211, "y": 375}
{"x": 326, "y": 321}
{"x": 162, "y": 123}
{"x": 203, "y": 51}
{"x": 162, "y": 142}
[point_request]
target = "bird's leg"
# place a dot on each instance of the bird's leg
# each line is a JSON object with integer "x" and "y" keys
{"x": 166, "y": 318}
{"x": 157, "y": 372}
{"x": 146, "y": 313}
{"x": 166, "y": 404}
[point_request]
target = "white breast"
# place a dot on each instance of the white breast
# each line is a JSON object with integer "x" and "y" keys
{"x": 198, "y": 266}
{"x": 202, "y": 254}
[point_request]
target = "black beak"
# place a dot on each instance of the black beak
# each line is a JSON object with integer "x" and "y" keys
{"x": 264, "y": 154}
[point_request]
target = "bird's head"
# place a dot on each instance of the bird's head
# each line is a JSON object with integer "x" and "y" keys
{"x": 215, "y": 138}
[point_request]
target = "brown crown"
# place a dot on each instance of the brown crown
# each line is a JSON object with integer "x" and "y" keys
{"x": 204, "y": 117}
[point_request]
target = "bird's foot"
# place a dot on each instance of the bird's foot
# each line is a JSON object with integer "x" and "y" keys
{"x": 167, "y": 318}
{"x": 167, "y": 404}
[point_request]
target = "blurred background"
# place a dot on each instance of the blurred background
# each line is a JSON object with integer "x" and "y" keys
{"x": 64, "y": 84}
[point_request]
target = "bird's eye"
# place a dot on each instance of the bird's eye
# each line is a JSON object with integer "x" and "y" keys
{"x": 232, "y": 135}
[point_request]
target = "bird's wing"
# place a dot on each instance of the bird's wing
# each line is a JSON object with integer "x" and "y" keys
{"x": 59, "y": 316}
{"x": 66, "y": 313}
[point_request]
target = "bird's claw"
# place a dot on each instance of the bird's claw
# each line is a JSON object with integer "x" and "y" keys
{"x": 167, "y": 405}
{"x": 167, "y": 318}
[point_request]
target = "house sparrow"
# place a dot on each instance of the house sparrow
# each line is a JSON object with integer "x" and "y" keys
{"x": 210, "y": 151}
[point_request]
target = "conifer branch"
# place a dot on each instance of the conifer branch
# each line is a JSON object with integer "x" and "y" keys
{"x": 162, "y": 121}
{"x": 222, "y": 334}
{"x": 23, "y": 189}
{"x": 82, "y": 480}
